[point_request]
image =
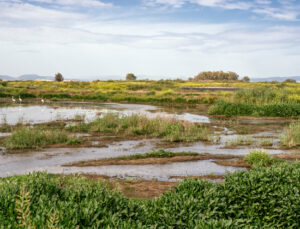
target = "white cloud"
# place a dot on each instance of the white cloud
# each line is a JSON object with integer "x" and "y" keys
{"x": 42, "y": 40}
{"x": 288, "y": 11}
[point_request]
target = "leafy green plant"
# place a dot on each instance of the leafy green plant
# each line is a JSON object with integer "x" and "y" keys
{"x": 265, "y": 197}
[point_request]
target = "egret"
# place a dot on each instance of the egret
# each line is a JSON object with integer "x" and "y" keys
{"x": 13, "y": 99}
{"x": 20, "y": 100}
{"x": 43, "y": 101}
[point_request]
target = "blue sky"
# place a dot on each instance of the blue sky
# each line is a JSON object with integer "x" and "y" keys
{"x": 152, "y": 38}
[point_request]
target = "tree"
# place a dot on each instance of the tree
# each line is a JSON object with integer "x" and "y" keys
{"x": 59, "y": 77}
{"x": 217, "y": 75}
{"x": 130, "y": 77}
{"x": 246, "y": 79}
{"x": 290, "y": 81}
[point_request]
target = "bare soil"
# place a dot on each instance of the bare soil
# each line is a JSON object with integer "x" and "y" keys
{"x": 150, "y": 160}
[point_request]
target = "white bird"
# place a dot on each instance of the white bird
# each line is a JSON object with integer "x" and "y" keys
{"x": 13, "y": 99}
{"x": 20, "y": 100}
{"x": 43, "y": 101}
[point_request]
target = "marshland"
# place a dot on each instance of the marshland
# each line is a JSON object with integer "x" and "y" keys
{"x": 140, "y": 154}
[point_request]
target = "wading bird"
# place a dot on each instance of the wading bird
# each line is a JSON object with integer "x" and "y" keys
{"x": 13, "y": 99}
{"x": 20, "y": 100}
{"x": 43, "y": 101}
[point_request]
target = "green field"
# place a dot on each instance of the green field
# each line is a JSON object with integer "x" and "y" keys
{"x": 246, "y": 99}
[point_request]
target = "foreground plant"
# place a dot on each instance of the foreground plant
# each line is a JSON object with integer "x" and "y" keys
{"x": 265, "y": 197}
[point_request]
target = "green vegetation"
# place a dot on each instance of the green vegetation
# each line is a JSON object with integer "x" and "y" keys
{"x": 268, "y": 99}
{"x": 291, "y": 135}
{"x": 260, "y": 157}
{"x": 156, "y": 154}
{"x": 130, "y": 77}
{"x": 169, "y": 129}
{"x": 266, "y": 142}
{"x": 241, "y": 109}
{"x": 59, "y": 77}
{"x": 265, "y": 197}
{"x": 218, "y": 75}
{"x": 241, "y": 140}
{"x": 29, "y": 138}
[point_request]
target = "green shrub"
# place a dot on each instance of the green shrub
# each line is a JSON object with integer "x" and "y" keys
{"x": 260, "y": 157}
{"x": 265, "y": 197}
{"x": 240, "y": 109}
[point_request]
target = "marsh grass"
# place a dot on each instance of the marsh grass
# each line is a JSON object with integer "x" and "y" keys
{"x": 170, "y": 129}
{"x": 261, "y": 157}
{"x": 266, "y": 142}
{"x": 30, "y": 138}
{"x": 157, "y": 154}
{"x": 239, "y": 141}
{"x": 291, "y": 135}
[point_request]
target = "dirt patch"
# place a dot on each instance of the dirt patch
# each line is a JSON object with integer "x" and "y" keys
{"x": 151, "y": 160}
{"x": 142, "y": 189}
{"x": 288, "y": 156}
{"x": 233, "y": 163}
{"x": 205, "y": 177}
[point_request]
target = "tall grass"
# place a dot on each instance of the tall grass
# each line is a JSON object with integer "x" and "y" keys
{"x": 170, "y": 129}
{"x": 291, "y": 135}
{"x": 29, "y": 138}
{"x": 265, "y": 197}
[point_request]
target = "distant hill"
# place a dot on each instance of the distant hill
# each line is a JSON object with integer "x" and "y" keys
{"x": 279, "y": 79}
{"x": 27, "y": 77}
{"x": 34, "y": 77}
{"x": 4, "y": 77}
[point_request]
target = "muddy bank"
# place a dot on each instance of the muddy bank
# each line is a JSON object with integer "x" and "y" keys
{"x": 142, "y": 189}
{"x": 150, "y": 160}
{"x": 233, "y": 163}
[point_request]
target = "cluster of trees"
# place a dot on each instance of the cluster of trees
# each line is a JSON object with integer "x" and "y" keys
{"x": 217, "y": 75}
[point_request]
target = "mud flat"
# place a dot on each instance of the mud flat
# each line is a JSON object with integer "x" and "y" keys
{"x": 150, "y": 160}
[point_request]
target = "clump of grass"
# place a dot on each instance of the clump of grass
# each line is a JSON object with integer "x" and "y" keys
{"x": 241, "y": 140}
{"x": 157, "y": 154}
{"x": 291, "y": 135}
{"x": 29, "y": 138}
{"x": 260, "y": 157}
{"x": 171, "y": 129}
{"x": 265, "y": 142}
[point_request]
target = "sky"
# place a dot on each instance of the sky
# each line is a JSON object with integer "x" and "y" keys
{"x": 154, "y": 39}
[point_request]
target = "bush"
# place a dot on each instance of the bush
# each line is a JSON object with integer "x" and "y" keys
{"x": 260, "y": 157}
